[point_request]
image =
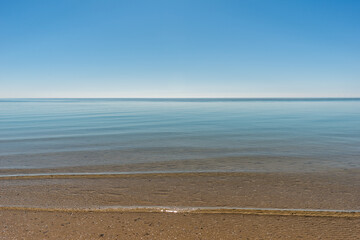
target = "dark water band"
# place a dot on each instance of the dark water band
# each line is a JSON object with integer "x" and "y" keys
{"x": 119, "y": 174}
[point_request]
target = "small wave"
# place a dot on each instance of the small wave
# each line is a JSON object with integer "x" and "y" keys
{"x": 200, "y": 210}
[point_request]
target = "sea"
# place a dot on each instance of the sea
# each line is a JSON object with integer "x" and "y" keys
{"x": 180, "y": 135}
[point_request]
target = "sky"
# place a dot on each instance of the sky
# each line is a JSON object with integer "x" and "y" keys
{"x": 183, "y": 48}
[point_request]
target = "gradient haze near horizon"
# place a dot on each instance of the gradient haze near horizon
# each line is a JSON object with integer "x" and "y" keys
{"x": 179, "y": 48}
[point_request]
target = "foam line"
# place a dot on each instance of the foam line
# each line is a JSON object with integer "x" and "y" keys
{"x": 199, "y": 210}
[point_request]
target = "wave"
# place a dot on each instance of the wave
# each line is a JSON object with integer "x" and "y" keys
{"x": 200, "y": 210}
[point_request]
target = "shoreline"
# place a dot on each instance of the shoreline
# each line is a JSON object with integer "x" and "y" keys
{"x": 339, "y": 191}
{"x": 108, "y": 171}
{"x": 197, "y": 210}
{"x": 241, "y": 205}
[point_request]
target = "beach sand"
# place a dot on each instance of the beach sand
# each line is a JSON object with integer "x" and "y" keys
{"x": 78, "y": 225}
{"x": 69, "y": 206}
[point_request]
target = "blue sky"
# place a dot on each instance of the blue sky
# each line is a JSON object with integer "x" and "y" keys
{"x": 184, "y": 48}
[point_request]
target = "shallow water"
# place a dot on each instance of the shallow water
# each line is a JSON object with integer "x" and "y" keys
{"x": 178, "y": 135}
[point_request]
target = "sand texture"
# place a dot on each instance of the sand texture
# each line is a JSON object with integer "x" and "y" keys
{"x": 69, "y": 206}
{"x": 254, "y": 190}
{"x": 57, "y": 225}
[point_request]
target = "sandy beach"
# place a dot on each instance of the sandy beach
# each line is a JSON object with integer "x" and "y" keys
{"x": 69, "y": 207}
{"x": 67, "y": 225}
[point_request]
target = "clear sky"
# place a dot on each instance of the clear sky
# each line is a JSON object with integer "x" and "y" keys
{"x": 183, "y": 48}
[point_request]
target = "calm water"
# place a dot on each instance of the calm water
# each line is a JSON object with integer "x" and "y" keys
{"x": 181, "y": 134}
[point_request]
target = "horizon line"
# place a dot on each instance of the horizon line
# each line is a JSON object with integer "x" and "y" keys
{"x": 180, "y": 97}
{"x": 199, "y": 99}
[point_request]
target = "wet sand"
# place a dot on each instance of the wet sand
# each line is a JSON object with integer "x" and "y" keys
{"x": 335, "y": 190}
{"x": 67, "y": 195}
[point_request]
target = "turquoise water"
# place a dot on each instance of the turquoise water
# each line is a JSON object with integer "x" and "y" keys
{"x": 194, "y": 134}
